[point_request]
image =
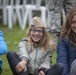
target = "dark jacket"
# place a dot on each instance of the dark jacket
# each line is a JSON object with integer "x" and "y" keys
{"x": 66, "y": 53}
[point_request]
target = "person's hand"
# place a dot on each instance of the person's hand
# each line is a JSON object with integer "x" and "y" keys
{"x": 21, "y": 66}
{"x": 41, "y": 73}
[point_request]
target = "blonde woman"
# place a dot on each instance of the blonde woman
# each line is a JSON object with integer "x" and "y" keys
{"x": 34, "y": 53}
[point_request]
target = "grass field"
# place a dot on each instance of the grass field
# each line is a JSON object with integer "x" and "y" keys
{"x": 13, "y": 37}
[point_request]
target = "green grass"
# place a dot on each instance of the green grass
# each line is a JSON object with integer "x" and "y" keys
{"x": 13, "y": 37}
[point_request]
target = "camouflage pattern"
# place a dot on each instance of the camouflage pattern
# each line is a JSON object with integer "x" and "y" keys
{"x": 55, "y": 12}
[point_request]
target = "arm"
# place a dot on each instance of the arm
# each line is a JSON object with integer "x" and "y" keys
{"x": 3, "y": 46}
{"x": 46, "y": 63}
{"x": 23, "y": 51}
{"x": 47, "y": 60}
{"x": 69, "y": 5}
{"x": 23, "y": 55}
{"x": 55, "y": 10}
{"x": 62, "y": 55}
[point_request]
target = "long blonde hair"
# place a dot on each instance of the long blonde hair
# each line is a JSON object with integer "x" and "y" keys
{"x": 43, "y": 43}
{"x": 66, "y": 30}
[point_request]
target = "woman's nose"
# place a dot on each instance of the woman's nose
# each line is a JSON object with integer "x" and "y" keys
{"x": 36, "y": 32}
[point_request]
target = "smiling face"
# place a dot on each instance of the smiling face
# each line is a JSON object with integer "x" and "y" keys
{"x": 73, "y": 24}
{"x": 36, "y": 34}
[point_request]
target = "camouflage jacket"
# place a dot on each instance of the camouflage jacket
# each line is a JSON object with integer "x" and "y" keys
{"x": 57, "y": 10}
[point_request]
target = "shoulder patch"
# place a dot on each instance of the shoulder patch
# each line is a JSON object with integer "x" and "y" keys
{"x": 24, "y": 39}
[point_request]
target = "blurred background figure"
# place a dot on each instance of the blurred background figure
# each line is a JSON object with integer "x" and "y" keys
{"x": 58, "y": 9}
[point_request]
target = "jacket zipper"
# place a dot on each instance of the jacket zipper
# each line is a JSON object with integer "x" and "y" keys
{"x": 35, "y": 61}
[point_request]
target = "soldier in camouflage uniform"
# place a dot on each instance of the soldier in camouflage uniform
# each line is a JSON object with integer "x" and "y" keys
{"x": 55, "y": 9}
